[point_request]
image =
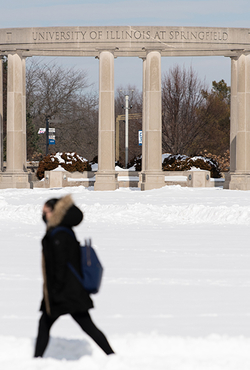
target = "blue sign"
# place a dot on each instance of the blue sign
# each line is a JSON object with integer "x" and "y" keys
{"x": 140, "y": 137}
{"x": 52, "y": 141}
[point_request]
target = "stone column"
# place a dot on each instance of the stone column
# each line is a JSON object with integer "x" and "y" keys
{"x": 15, "y": 175}
{"x": 240, "y": 174}
{"x": 1, "y": 114}
{"x": 152, "y": 175}
{"x": 233, "y": 114}
{"x": 106, "y": 177}
{"x": 143, "y": 116}
{"x": 24, "y": 113}
{"x": 143, "y": 120}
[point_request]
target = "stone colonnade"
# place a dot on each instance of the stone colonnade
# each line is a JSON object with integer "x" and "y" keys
{"x": 106, "y": 177}
{"x": 151, "y": 175}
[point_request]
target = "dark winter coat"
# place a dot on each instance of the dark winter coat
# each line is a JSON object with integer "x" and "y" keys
{"x": 63, "y": 293}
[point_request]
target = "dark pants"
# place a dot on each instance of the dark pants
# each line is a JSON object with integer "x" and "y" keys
{"x": 85, "y": 322}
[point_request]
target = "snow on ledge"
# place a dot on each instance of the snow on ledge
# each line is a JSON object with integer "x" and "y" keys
{"x": 195, "y": 169}
{"x": 217, "y": 180}
{"x": 175, "y": 178}
{"x": 75, "y": 179}
{"x": 117, "y": 168}
{"x": 128, "y": 178}
{"x": 59, "y": 168}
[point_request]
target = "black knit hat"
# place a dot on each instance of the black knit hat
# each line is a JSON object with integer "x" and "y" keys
{"x": 51, "y": 203}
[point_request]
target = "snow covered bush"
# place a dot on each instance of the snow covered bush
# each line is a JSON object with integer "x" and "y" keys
{"x": 222, "y": 160}
{"x": 183, "y": 163}
{"x": 136, "y": 162}
{"x": 71, "y": 162}
{"x": 180, "y": 162}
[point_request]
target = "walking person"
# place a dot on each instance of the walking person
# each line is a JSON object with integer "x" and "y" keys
{"x": 62, "y": 291}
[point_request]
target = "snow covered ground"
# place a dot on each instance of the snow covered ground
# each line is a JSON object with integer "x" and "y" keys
{"x": 176, "y": 288}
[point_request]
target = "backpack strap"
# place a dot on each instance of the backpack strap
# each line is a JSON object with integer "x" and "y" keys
{"x": 62, "y": 228}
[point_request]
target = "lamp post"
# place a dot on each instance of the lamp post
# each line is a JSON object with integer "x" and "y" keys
{"x": 126, "y": 130}
{"x": 47, "y": 135}
{"x": 126, "y": 126}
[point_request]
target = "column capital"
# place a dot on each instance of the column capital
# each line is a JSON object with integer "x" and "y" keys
{"x": 150, "y": 50}
{"x": 19, "y": 52}
{"x": 238, "y": 53}
{"x": 111, "y": 51}
{"x": 234, "y": 57}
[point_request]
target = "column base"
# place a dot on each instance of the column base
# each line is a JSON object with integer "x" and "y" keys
{"x": 107, "y": 180}
{"x": 140, "y": 179}
{"x": 239, "y": 181}
{"x": 18, "y": 180}
{"x": 152, "y": 180}
{"x": 198, "y": 179}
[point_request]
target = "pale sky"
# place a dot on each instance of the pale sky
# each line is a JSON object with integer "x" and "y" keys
{"x": 209, "y": 13}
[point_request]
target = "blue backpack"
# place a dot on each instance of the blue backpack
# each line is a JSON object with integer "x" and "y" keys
{"x": 91, "y": 268}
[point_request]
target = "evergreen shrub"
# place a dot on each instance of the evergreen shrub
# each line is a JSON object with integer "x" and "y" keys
{"x": 184, "y": 163}
{"x": 136, "y": 162}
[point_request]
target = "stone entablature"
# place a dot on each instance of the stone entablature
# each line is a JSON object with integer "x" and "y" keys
{"x": 125, "y": 41}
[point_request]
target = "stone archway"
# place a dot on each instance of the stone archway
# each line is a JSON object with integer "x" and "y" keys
{"x": 149, "y": 44}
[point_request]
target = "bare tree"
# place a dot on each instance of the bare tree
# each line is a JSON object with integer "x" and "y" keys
{"x": 181, "y": 100}
{"x": 58, "y": 92}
